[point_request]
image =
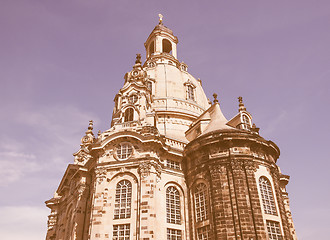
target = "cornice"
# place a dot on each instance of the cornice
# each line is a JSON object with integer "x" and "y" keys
{"x": 231, "y": 138}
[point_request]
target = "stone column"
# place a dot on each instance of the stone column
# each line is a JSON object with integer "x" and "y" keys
{"x": 255, "y": 206}
{"x": 285, "y": 224}
{"x": 221, "y": 204}
{"x": 148, "y": 178}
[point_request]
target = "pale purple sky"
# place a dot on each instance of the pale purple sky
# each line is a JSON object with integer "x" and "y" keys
{"x": 62, "y": 62}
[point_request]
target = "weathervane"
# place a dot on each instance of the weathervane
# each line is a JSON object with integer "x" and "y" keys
{"x": 160, "y": 18}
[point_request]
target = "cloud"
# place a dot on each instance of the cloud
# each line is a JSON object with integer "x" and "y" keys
{"x": 275, "y": 122}
{"x": 15, "y": 162}
{"x": 40, "y": 137}
{"x": 15, "y": 165}
{"x": 23, "y": 222}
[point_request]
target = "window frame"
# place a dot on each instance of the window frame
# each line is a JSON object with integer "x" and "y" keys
{"x": 133, "y": 98}
{"x": 203, "y": 233}
{"x": 150, "y": 85}
{"x": 123, "y": 200}
{"x": 246, "y": 121}
{"x": 173, "y": 164}
{"x": 173, "y": 205}
{"x": 267, "y": 196}
{"x": 129, "y": 114}
{"x": 191, "y": 93}
{"x": 173, "y": 234}
{"x": 118, "y": 230}
{"x": 124, "y": 151}
{"x": 274, "y": 230}
{"x": 201, "y": 204}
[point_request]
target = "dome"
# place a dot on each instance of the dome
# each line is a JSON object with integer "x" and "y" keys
{"x": 178, "y": 97}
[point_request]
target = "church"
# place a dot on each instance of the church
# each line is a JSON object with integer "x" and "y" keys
{"x": 171, "y": 166}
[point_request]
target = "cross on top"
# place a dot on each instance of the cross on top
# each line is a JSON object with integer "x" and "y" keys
{"x": 160, "y": 18}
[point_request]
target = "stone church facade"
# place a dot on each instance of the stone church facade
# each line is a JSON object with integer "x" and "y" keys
{"x": 171, "y": 166}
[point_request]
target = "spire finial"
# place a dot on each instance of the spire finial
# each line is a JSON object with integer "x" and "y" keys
{"x": 90, "y": 126}
{"x": 241, "y": 104}
{"x": 240, "y": 99}
{"x": 160, "y": 19}
{"x": 138, "y": 58}
{"x": 215, "y": 98}
{"x": 88, "y": 138}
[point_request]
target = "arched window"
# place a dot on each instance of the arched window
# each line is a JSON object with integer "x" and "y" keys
{"x": 246, "y": 122}
{"x": 173, "y": 208}
{"x": 201, "y": 204}
{"x": 267, "y": 196}
{"x": 129, "y": 115}
{"x": 190, "y": 93}
{"x": 167, "y": 46}
{"x": 123, "y": 199}
{"x": 151, "y": 48}
{"x": 124, "y": 151}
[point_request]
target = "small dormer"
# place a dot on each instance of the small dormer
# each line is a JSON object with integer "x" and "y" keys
{"x": 243, "y": 120}
{"x": 161, "y": 41}
{"x": 190, "y": 90}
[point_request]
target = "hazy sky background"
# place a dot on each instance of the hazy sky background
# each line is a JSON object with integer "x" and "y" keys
{"x": 62, "y": 62}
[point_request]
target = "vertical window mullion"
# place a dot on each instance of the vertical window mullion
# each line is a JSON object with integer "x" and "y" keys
{"x": 267, "y": 196}
{"x": 173, "y": 206}
{"x": 201, "y": 205}
{"x": 123, "y": 200}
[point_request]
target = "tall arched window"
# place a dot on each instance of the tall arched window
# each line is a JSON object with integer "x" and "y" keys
{"x": 167, "y": 46}
{"x": 201, "y": 204}
{"x": 190, "y": 93}
{"x": 123, "y": 200}
{"x": 173, "y": 208}
{"x": 267, "y": 196}
{"x": 129, "y": 115}
{"x": 151, "y": 48}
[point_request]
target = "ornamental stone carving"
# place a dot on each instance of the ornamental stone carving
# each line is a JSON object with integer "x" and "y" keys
{"x": 236, "y": 165}
{"x": 158, "y": 170}
{"x": 82, "y": 157}
{"x": 81, "y": 189}
{"x": 275, "y": 172}
{"x": 250, "y": 165}
{"x": 144, "y": 169}
{"x": 215, "y": 171}
{"x": 100, "y": 174}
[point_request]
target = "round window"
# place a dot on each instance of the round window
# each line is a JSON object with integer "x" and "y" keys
{"x": 124, "y": 151}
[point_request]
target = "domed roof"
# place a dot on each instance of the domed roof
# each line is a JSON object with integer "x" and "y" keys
{"x": 178, "y": 97}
